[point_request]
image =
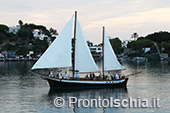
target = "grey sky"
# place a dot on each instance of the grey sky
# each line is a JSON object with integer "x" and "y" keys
{"x": 120, "y": 17}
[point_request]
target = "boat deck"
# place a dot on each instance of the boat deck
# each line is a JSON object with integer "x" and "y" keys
{"x": 97, "y": 78}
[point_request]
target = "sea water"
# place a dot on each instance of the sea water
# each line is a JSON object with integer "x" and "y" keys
{"x": 24, "y": 92}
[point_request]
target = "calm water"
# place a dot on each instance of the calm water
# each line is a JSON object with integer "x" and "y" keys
{"x": 23, "y": 92}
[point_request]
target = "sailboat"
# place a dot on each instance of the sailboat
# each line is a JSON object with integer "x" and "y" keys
{"x": 61, "y": 55}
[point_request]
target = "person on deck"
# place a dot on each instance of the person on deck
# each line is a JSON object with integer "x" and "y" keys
{"x": 94, "y": 77}
{"x": 91, "y": 76}
{"x": 77, "y": 75}
{"x": 112, "y": 77}
{"x": 60, "y": 75}
{"x": 51, "y": 73}
{"x": 100, "y": 77}
{"x": 57, "y": 76}
{"x": 65, "y": 76}
{"x": 116, "y": 75}
{"x": 109, "y": 77}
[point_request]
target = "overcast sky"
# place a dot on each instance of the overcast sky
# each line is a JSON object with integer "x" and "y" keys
{"x": 120, "y": 17}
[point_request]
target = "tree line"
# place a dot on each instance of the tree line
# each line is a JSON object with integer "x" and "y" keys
{"x": 161, "y": 38}
{"x": 24, "y": 38}
{"x": 24, "y": 41}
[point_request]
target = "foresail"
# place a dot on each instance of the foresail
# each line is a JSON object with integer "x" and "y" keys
{"x": 84, "y": 61}
{"x": 58, "y": 54}
{"x": 110, "y": 60}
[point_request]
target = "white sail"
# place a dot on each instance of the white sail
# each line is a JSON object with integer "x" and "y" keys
{"x": 110, "y": 60}
{"x": 58, "y": 54}
{"x": 84, "y": 61}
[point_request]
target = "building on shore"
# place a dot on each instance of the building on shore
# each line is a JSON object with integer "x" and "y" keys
{"x": 14, "y": 29}
{"x": 96, "y": 51}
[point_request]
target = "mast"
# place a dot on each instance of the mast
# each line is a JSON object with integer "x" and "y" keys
{"x": 103, "y": 52}
{"x": 74, "y": 43}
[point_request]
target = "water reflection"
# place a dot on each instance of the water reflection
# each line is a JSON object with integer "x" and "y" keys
{"x": 8, "y": 68}
{"x": 117, "y": 93}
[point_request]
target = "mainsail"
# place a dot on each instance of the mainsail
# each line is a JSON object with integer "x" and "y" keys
{"x": 84, "y": 61}
{"x": 110, "y": 60}
{"x": 58, "y": 54}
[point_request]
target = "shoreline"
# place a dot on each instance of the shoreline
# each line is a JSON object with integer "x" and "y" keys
{"x": 15, "y": 60}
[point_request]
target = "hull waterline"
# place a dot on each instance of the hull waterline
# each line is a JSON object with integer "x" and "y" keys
{"x": 81, "y": 84}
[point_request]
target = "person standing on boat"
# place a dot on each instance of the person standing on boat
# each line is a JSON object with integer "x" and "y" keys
{"x": 100, "y": 76}
{"x": 57, "y": 76}
{"x": 94, "y": 77}
{"x": 60, "y": 75}
{"x": 77, "y": 75}
{"x": 65, "y": 76}
{"x": 109, "y": 77}
{"x": 116, "y": 75}
{"x": 51, "y": 73}
{"x": 112, "y": 77}
{"x": 91, "y": 76}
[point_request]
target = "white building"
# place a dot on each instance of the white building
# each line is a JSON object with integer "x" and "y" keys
{"x": 14, "y": 29}
{"x": 37, "y": 34}
{"x": 97, "y": 49}
{"x": 125, "y": 42}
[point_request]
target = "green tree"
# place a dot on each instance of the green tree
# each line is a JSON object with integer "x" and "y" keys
{"x": 25, "y": 34}
{"x": 168, "y": 50}
{"x": 43, "y": 29}
{"x": 3, "y": 28}
{"x": 89, "y": 43}
{"x": 134, "y": 36}
{"x": 8, "y": 47}
{"x": 116, "y": 45}
{"x": 40, "y": 46}
{"x": 24, "y": 37}
{"x": 164, "y": 45}
{"x": 53, "y": 32}
{"x": 3, "y": 32}
{"x": 138, "y": 45}
{"x": 20, "y": 22}
{"x": 159, "y": 36}
{"x": 23, "y": 51}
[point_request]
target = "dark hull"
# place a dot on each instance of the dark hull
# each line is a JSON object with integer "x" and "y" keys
{"x": 64, "y": 85}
